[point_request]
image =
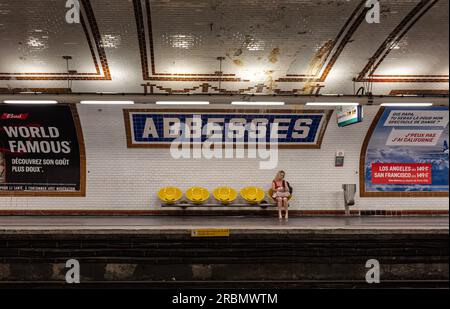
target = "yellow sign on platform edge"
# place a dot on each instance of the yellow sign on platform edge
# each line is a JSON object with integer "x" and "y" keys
{"x": 210, "y": 233}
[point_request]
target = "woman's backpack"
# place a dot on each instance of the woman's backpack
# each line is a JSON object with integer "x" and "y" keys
{"x": 289, "y": 186}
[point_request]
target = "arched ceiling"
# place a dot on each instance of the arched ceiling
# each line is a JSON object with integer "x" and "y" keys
{"x": 173, "y": 46}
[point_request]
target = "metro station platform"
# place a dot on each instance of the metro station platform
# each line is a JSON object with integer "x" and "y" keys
{"x": 236, "y": 224}
{"x": 161, "y": 252}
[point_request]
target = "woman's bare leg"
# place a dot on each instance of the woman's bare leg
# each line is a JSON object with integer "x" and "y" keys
{"x": 280, "y": 207}
{"x": 285, "y": 206}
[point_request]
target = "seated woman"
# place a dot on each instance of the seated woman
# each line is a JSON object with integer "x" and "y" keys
{"x": 281, "y": 194}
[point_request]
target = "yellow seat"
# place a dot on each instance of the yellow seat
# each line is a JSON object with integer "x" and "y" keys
{"x": 253, "y": 195}
{"x": 270, "y": 193}
{"x": 197, "y": 195}
{"x": 225, "y": 195}
{"x": 170, "y": 195}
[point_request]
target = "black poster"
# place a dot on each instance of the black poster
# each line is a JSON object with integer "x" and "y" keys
{"x": 39, "y": 149}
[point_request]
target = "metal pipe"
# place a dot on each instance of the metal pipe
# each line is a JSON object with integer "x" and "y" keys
{"x": 298, "y": 100}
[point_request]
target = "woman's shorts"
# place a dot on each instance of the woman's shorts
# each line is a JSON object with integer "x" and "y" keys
{"x": 281, "y": 194}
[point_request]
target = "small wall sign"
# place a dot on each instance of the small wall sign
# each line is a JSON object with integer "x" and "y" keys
{"x": 339, "y": 158}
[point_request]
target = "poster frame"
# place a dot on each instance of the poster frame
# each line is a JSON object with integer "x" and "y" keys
{"x": 362, "y": 164}
{"x": 81, "y": 145}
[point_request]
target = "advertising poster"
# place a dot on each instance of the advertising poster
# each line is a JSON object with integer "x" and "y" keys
{"x": 407, "y": 153}
{"x": 295, "y": 129}
{"x": 41, "y": 151}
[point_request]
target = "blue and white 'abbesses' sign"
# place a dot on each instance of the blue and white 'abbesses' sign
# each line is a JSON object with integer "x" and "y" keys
{"x": 289, "y": 128}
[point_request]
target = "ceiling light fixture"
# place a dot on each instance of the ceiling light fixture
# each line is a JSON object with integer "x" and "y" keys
{"x": 330, "y": 104}
{"x": 30, "y": 102}
{"x": 182, "y": 102}
{"x": 407, "y": 104}
{"x": 107, "y": 102}
{"x": 258, "y": 103}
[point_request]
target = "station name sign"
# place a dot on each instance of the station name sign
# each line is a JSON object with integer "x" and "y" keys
{"x": 288, "y": 128}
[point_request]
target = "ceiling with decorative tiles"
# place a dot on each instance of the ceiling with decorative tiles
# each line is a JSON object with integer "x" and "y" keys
{"x": 224, "y": 46}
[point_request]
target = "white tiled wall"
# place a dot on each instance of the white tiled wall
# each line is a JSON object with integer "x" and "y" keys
{"x": 121, "y": 178}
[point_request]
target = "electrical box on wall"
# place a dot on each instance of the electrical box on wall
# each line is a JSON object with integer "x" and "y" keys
{"x": 339, "y": 159}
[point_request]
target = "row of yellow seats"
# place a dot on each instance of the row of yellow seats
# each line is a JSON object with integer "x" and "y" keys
{"x": 224, "y": 195}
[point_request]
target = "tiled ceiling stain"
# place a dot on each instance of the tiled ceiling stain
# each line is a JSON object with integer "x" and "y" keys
{"x": 269, "y": 47}
{"x": 110, "y": 41}
{"x": 34, "y": 37}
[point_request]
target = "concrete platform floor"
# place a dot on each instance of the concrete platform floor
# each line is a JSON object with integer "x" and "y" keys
{"x": 54, "y": 223}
